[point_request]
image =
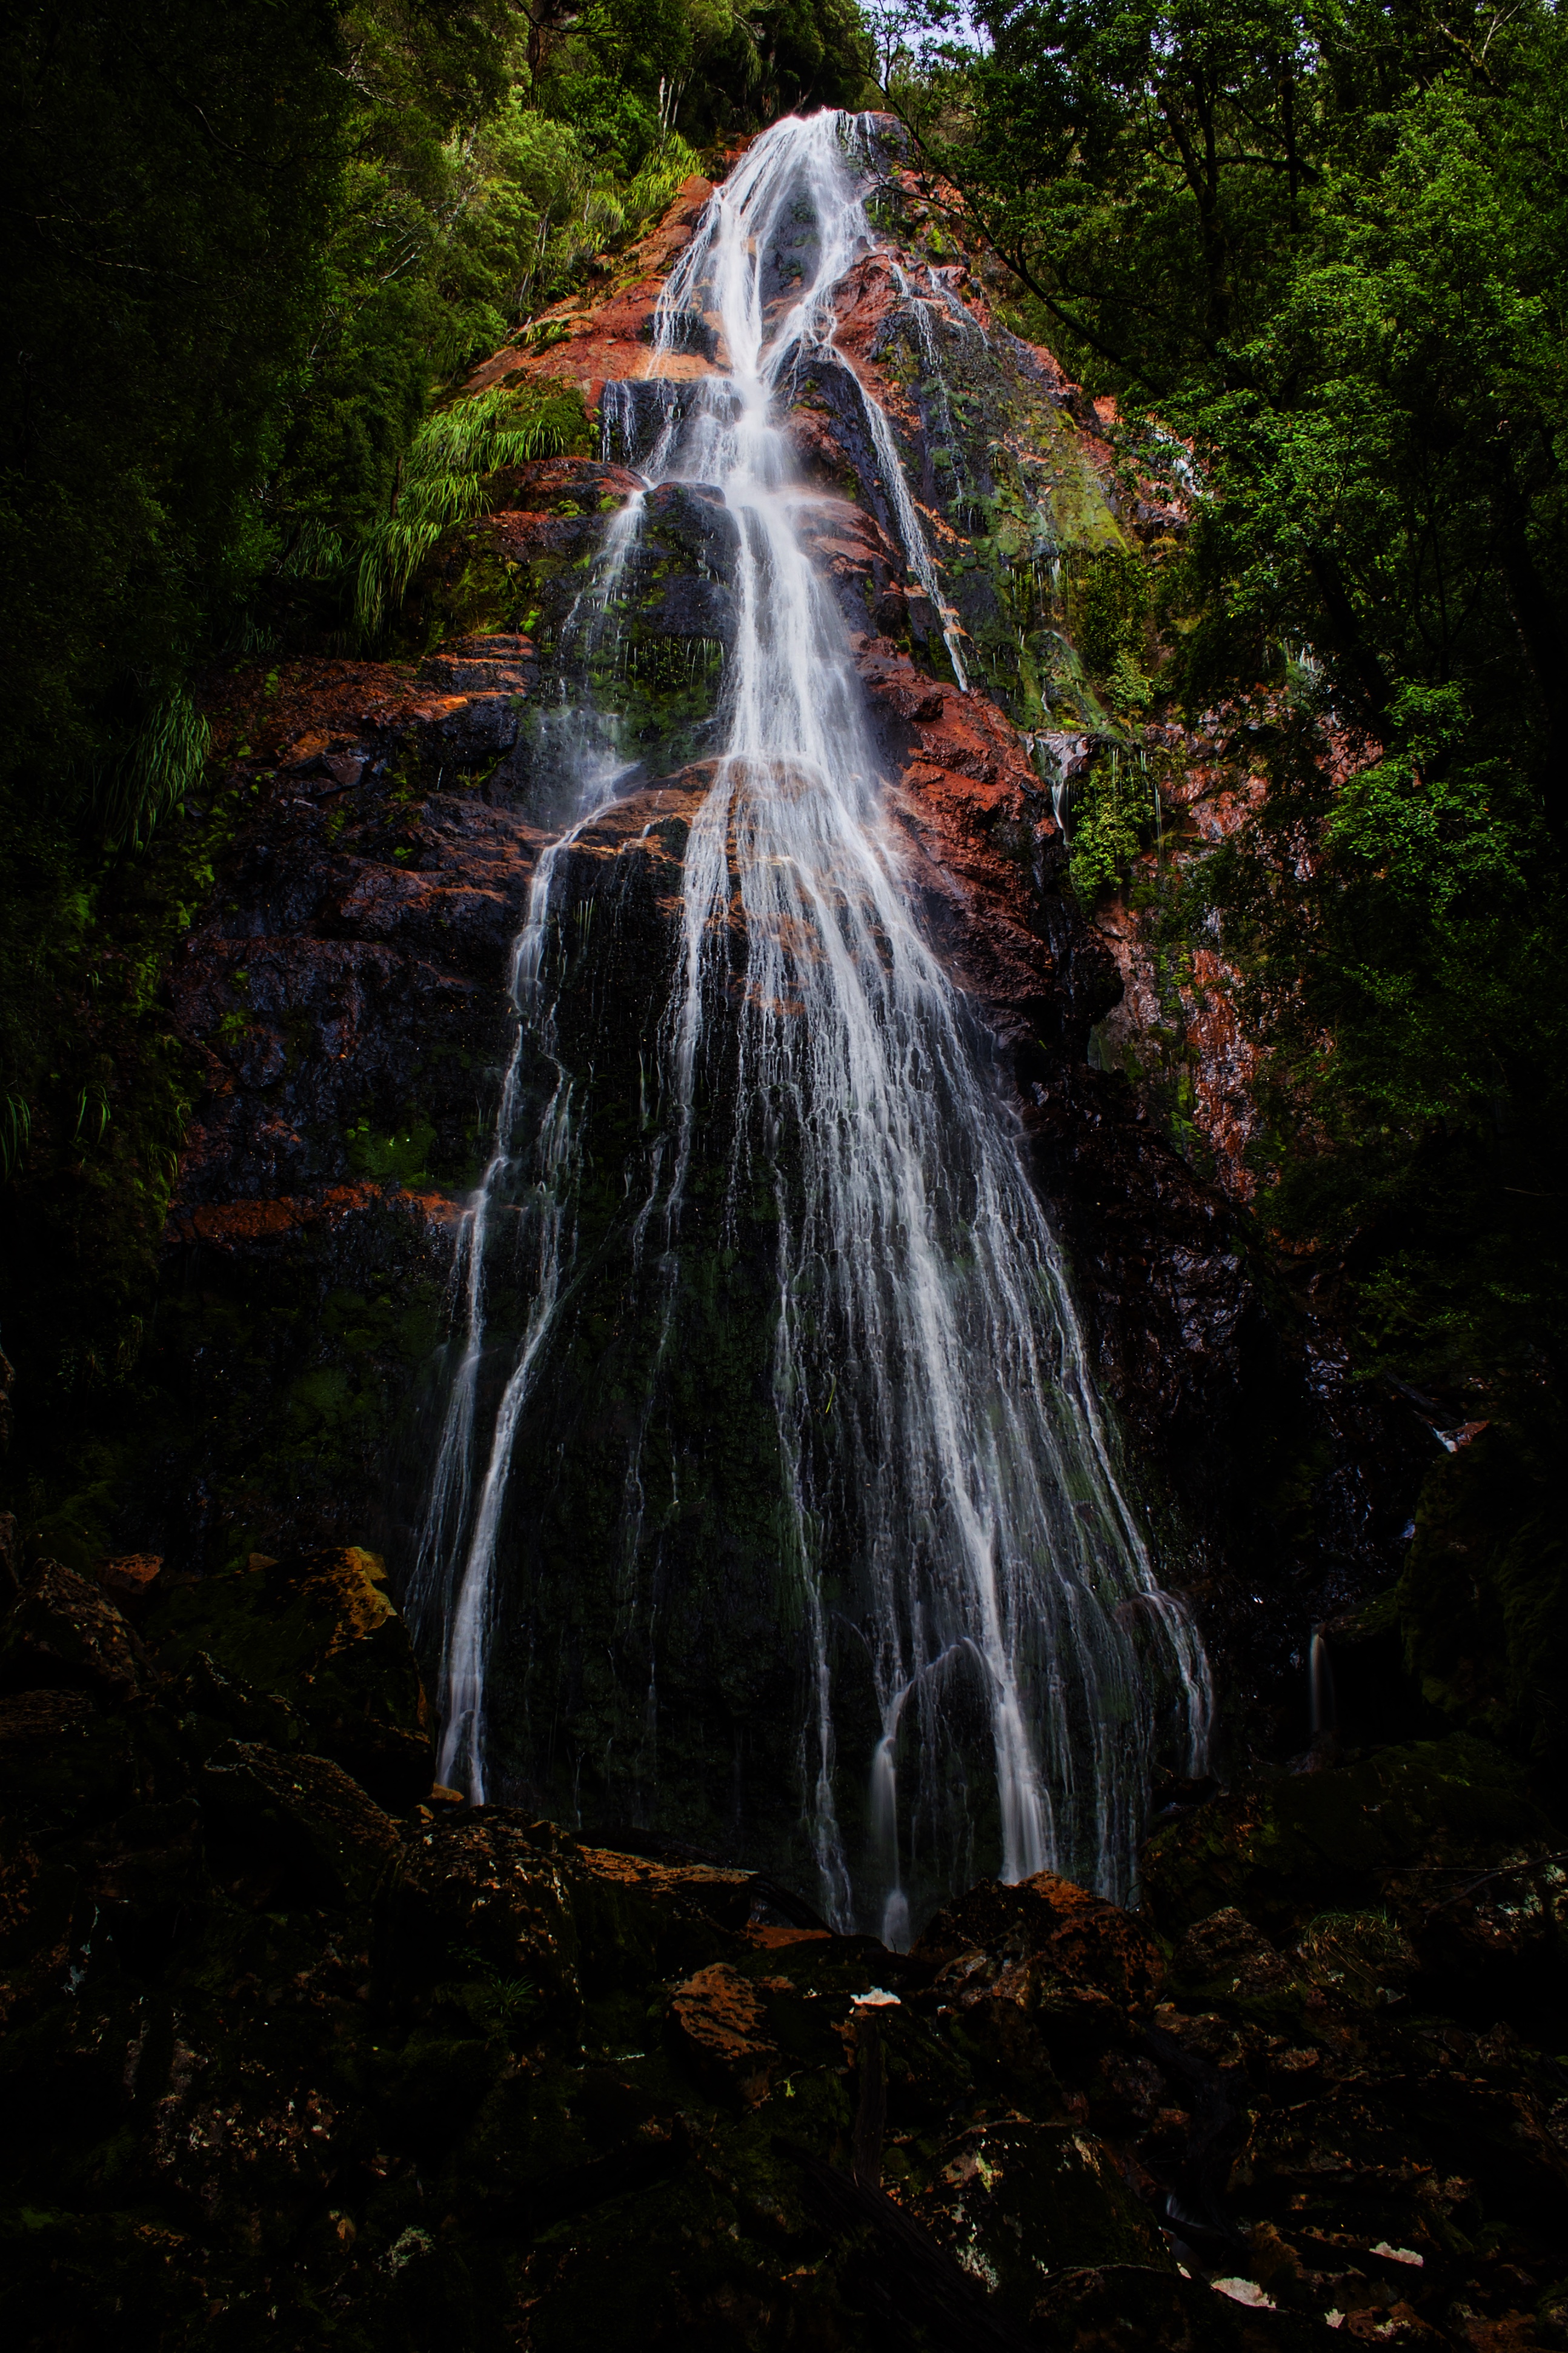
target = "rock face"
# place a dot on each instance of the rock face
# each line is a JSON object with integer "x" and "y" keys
{"x": 346, "y": 990}
{"x": 279, "y": 2063}
{"x": 64, "y": 1630}
{"x": 319, "y": 1636}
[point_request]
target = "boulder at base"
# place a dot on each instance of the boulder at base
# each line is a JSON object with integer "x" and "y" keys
{"x": 319, "y": 1631}
{"x": 291, "y": 2055}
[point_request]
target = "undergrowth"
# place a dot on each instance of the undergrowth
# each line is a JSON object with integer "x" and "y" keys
{"x": 446, "y": 477}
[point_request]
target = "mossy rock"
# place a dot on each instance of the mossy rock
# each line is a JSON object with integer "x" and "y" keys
{"x": 63, "y": 1631}
{"x": 490, "y": 1897}
{"x": 1483, "y": 1602}
{"x": 1015, "y": 2202}
{"x": 641, "y": 1919}
{"x": 319, "y": 1629}
{"x": 1284, "y": 1849}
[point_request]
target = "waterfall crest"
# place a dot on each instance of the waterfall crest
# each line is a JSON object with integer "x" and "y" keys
{"x": 963, "y": 1582}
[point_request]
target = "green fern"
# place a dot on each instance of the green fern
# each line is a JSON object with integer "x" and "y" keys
{"x": 93, "y": 1113}
{"x": 444, "y": 478}
{"x": 162, "y": 763}
{"x": 315, "y": 553}
{"x": 15, "y": 1134}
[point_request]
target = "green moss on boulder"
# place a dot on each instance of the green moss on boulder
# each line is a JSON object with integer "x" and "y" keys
{"x": 319, "y": 1631}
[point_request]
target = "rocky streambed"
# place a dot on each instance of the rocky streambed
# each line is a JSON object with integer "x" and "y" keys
{"x": 300, "y": 2051}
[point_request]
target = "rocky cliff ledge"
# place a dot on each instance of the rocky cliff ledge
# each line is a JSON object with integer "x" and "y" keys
{"x": 341, "y": 993}
{"x": 300, "y": 2051}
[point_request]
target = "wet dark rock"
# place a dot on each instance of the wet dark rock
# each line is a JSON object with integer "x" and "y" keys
{"x": 494, "y": 1889}
{"x": 32, "y": 1719}
{"x": 1138, "y": 2310}
{"x": 450, "y": 2071}
{"x": 1013, "y": 2200}
{"x": 644, "y": 1916}
{"x": 320, "y": 1821}
{"x": 694, "y": 520}
{"x": 215, "y": 1704}
{"x": 499, "y": 664}
{"x": 1397, "y": 1826}
{"x": 61, "y": 1762}
{"x": 1081, "y": 1966}
{"x": 319, "y": 1630}
{"x": 865, "y": 567}
{"x": 1225, "y": 1949}
{"x": 688, "y": 331}
{"x": 64, "y": 1629}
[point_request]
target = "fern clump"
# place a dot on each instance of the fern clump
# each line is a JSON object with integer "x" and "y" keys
{"x": 446, "y": 477}
{"x": 160, "y": 766}
{"x": 1113, "y": 806}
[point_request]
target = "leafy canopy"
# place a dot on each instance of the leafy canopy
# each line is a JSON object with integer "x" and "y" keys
{"x": 1327, "y": 247}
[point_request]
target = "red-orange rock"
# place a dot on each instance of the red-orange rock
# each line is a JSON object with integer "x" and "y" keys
{"x": 715, "y": 2023}
{"x": 1043, "y": 1943}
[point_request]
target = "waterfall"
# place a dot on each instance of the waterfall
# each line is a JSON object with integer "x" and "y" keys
{"x": 1321, "y": 1686}
{"x": 948, "y": 1513}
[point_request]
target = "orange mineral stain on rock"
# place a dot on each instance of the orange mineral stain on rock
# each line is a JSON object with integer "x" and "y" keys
{"x": 716, "y": 2022}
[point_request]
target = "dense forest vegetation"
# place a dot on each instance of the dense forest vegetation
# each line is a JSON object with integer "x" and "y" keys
{"x": 252, "y": 251}
{"x": 1318, "y": 253}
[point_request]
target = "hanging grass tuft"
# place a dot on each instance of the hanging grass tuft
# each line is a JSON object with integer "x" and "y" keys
{"x": 162, "y": 763}
{"x": 15, "y": 1134}
{"x": 444, "y": 478}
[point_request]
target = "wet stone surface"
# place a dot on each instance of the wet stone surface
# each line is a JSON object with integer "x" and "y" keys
{"x": 282, "y": 2064}
{"x": 344, "y": 994}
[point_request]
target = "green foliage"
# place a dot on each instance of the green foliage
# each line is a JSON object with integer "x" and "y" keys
{"x": 1407, "y": 980}
{"x": 1114, "y": 806}
{"x": 15, "y": 1132}
{"x": 1327, "y": 247}
{"x": 495, "y": 2004}
{"x": 1109, "y": 613}
{"x": 166, "y": 219}
{"x": 403, "y": 1158}
{"x": 159, "y": 767}
{"x": 445, "y": 476}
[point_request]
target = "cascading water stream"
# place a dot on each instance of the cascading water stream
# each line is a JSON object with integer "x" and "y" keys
{"x": 455, "y": 1569}
{"x": 949, "y": 1506}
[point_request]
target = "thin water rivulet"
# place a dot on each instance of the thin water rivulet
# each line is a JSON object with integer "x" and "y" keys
{"x": 965, "y": 1575}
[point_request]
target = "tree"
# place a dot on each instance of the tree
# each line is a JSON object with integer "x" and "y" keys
{"x": 1326, "y": 246}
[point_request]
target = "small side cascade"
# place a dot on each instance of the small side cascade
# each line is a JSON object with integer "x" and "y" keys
{"x": 918, "y": 310}
{"x": 1320, "y": 1683}
{"x": 456, "y": 1566}
{"x": 912, "y": 531}
{"x": 949, "y": 1505}
{"x": 461, "y": 1530}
